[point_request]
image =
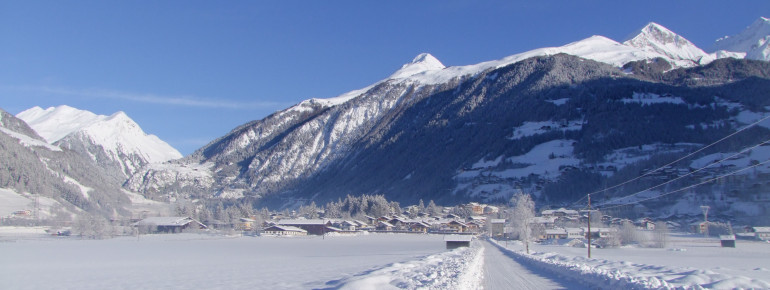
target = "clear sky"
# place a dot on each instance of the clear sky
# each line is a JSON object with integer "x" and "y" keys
{"x": 191, "y": 71}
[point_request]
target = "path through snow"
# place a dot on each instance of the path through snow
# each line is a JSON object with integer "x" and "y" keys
{"x": 501, "y": 271}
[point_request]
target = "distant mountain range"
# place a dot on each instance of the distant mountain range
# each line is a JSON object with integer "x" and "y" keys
{"x": 557, "y": 122}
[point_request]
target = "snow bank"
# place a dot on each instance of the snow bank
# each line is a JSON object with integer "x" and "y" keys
{"x": 626, "y": 275}
{"x": 458, "y": 269}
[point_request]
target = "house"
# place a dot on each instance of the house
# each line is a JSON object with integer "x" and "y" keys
{"x": 762, "y": 233}
{"x": 312, "y": 226}
{"x": 453, "y": 216}
{"x": 474, "y": 225}
{"x": 384, "y": 226}
{"x": 496, "y": 227}
{"x": 245, "y": 224}
{"x": 555, "y": 234}
{"x": 607, "y": 232}
{"x": 168, "y": 224}
{"x": 491, "y": 209}
{"x": 419, "y": 227}
{"x": 284, "y": 231}
{"x": 475, "y": 208}
{"x": 575, "y": 233}
{"x": 346, "y": 225}
{"x": 547, "y": 221}
{"x": 457, "y": 226}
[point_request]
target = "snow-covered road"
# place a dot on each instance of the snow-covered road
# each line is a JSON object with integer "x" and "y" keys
{"x": 501, "y": 271}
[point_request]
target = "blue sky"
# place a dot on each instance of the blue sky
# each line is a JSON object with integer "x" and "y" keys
{"x": 190, "y": 71}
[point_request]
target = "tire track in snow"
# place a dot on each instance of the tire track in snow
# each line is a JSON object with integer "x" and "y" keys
{"x": 501, "y": 271}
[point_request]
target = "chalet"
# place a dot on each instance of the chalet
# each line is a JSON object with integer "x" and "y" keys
{"x": 384, "y": 226}
{"x": 453, "y": 216}
{"x": 547, "y": 221}
{"x": 312, "y": 226}
{"x": 245, "y": 224}
{"x": 474, "y": 225}
{"x": 169, "y": 224}
{"x": 605, "y": 232}
{"x": 575, "y": 233}
{"x": 457, "y": 226}
{"x": 555, "y": 234}
{"x": 346, "y": 225}
{"x": 762, "y": 233}
{"x": 475, "y": 208}
{"x": 284, "y": 231}
{"x": 419, "y": 227}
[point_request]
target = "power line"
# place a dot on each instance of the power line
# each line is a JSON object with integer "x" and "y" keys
{"x": 673, "y": 162}
{"x": 685, "y": 188}
{"x": 698, "y": 170}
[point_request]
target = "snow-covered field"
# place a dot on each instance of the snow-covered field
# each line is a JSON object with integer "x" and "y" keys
{"x": 202, "y": 261}
{"x": 688, "y": 262}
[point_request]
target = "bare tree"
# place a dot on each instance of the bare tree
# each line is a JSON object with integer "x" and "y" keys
{"x": 627, "y": 233}
{"x": 521, "y": 217}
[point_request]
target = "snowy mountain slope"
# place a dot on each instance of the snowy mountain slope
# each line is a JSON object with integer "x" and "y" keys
{"x": 557, "y": 124}
{"x": 19, "y": 130}
{"x": 754, "y": 41}
{"x": 14, "y": 124}
{"x": 115, "y": 137}
{"x": 32, "y": 167}
{"x": 655, "y": 38}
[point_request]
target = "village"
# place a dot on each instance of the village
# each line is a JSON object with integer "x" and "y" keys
{"x": 549, "y": 226}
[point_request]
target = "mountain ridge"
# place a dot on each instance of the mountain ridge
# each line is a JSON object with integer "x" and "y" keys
{"x": 115, "y": 137}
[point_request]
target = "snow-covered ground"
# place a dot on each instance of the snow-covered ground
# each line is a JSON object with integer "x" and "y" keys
{"x": 204, "y": 261}
{"x": 688, "y": 261}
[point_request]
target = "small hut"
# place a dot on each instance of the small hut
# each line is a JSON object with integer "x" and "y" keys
{"x": 457, "y": 241}
{"x": 728, "y": 241}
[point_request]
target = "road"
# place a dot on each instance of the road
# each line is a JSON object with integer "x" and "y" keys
{"x": 501, "y": 271}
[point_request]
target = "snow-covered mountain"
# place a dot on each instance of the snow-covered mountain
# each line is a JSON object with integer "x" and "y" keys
{"x": 754, "y": 41}
{"x": 61, "y": 180}
{"x": 556, "y": 122}
{"x": 114, "y": 139}
{"x": 655, "y": 38}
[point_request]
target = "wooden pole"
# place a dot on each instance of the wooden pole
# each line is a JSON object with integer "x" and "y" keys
{"x": 589, "y": 225}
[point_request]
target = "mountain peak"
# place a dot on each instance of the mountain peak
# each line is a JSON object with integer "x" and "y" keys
{"x": 421, "y": 63}
{"x": 754, "y": 41}
{"x": 656, "y": 38}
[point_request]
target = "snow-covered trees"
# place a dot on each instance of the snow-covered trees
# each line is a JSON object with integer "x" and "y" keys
{"x": 660, "y": 235}
{"x": 521, "y": 217}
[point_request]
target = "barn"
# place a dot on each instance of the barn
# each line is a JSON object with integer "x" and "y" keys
{"x": 168, "y": 224}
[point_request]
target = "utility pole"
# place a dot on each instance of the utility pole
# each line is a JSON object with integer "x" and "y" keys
{"x": 705, "y": 209}
{"x": 589, "y": 225}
